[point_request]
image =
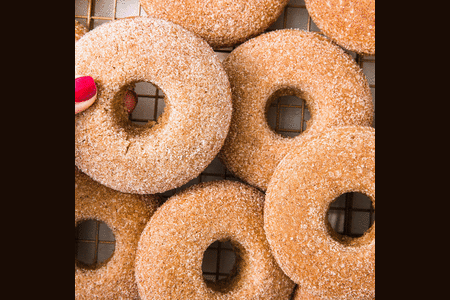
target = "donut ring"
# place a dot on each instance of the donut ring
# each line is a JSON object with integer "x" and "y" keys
{"x": 187, "y": 224}
{"x": 349, "y": 23}
{"x": 221, "y": 23}
{"x": 323, "y": 167}
{"x": 150, "y": 159}
{"x": 280, "y": 63}
{"x": 80, "y": 30}
{"x": 126, "y": 215}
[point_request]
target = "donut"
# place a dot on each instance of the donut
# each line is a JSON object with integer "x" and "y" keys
{"x": 221, "y": 23}
{"x": 80, "y": 30}
{"x": 152, "y": 158}
{"x": 350, "y": 23}
{"x": 281, "y": 63}
{"x": 302, "y": 295}
{"x": 126, "y": 215}
{"x": 170, "y": 252}
{"x": 322, "y": 262}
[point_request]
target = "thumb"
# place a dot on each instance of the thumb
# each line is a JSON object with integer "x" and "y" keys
{"x": 85, "y": 93}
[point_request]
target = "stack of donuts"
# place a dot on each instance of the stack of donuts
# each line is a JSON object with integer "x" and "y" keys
{"x": 275, "y": 217}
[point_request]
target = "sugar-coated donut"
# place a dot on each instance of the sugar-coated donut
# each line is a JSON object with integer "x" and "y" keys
{"x": 350, "y": 23}
{"x": 302, "y": 295}
{"x": 80, "y": 30}
{"x": 171, "y": 249}
{"x": 324, "y": 166}
{"x": 126, "y": 215}
{"x": 150, "y": 159}
{"x": 288, "y": 62}
{"x": 222, "y": 23}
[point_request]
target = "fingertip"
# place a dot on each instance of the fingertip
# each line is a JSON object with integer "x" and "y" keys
{"x": 130, "y": 101}
{"x": 82, "y": 106}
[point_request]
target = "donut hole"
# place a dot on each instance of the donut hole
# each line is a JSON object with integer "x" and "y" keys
{"x": 350, "y": 218}
{"x": 221, "y": 264}
{"x": 94, "y": 244}
{"x": 151, "y": 105}
{"x": 287, "y": 112}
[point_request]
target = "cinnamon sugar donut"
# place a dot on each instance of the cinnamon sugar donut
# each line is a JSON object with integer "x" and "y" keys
{"x": 222, "y": 23}
{"x": 280, "y": 63}
{"x": 302, "y": 295}
{"x": 157, "y": 157}
{"x": 126, "y": 215}
{"x": 324, "y": 166}
{"x": 350, "y": 23}
{"x": 80, "y": 30}
{"x": 170, "y": 252}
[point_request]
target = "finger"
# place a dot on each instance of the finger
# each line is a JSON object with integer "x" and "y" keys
{"x": 85, "y": 93}
{"x": 82, "y": 106}
{"x": 130, "y": 101}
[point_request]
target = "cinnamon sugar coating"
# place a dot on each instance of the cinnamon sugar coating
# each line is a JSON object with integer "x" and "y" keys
{"x": 302, "y": 295}
{"x": 80, "y": 30}
{"x": 157, "y": 157}
{"x": 288, "y": 62}
{"x": 126, "y": 215}
{"x": 171, "y": 249}
{"x": 350, "y": 23}
{"x": 324, "y": 166}
{"x": 222, "y": 23}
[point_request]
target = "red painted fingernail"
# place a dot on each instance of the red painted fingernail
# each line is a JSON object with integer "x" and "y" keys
{"x": 85, "y": 89}
{"x": 130, "y": 100}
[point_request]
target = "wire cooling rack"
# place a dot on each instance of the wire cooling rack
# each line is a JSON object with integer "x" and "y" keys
{"x": 351, "y": 214}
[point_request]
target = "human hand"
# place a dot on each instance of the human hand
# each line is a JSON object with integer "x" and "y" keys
{"x": 86, "y": 94}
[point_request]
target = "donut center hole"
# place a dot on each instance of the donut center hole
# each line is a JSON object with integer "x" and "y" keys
{"x": 287, "y": 112}
{"x": 350, "y": 217}
{"x": 150, "y": 104}
{"x": 221, "y": 263}
{"x": 94, "y": 244}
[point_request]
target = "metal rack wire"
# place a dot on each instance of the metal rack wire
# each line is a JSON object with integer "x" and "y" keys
{"x": 350, "y": 215}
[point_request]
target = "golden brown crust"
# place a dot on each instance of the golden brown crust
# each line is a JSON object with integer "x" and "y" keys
{"x": 126, "y": 215}
{"x": 80, "y": 30}
{"x": 323, "y": 167}
{"x": 222, "y": 23}
{"x": 293, "y": 62}
{"x": 150, "y": 159}
{"x": 350, "y": 23}
{"x": 170, "y": 253}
